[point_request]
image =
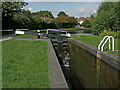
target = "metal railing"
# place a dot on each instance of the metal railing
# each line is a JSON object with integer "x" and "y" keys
{"x": 55, "y": 31}
{"x": 103, "y": 42}
{"x": 18, "y": 31}
{"x": 22, "y": 29}
{"x": 9, "y": 30}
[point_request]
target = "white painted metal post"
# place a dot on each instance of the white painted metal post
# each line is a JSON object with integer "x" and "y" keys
{"x": 112, "y": 43}
{"x": 104, "y": 43}
{"x": 109, "y": 43}
{"x": 47, "y": 31}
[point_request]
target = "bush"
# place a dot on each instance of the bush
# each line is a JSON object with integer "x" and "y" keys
{"x": 107, "y": 18}
{"x": 86, "y": 24}
{"x": 65, "y": 22}
{"x": 110, "y": 33}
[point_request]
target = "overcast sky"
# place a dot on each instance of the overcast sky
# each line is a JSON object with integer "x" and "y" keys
{"x": 65, "y": 0}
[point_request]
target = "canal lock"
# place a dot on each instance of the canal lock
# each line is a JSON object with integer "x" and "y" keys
{"x": 62, "y": 48}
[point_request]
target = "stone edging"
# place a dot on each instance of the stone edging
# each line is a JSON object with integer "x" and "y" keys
{"x": 109, "y": 58}
{"x": 56, "y": 77}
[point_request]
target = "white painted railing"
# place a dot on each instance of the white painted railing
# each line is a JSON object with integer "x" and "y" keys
{"x": 9, "y": 30}
{"x": 20, "y": 31}
{"x": 103, "y": 42}
{"x": 55, "y": 31}
{"x": 67, "y": 34}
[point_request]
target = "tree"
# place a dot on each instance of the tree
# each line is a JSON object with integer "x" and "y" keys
{"x": 86, "y": 24}
{"x": 40, "y": 24}
{"x": 44, "y": 14}
{"x": 22, "y": 20}
{"x": 8, "y": 10}
{"x": 107, "y": 18}
{"x": 65, "y": 22}
{"x": 50, "y": 23}
{"x": 62, "y": 14}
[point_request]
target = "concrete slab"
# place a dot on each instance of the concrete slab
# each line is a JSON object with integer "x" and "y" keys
{"x": 56, "y": 77}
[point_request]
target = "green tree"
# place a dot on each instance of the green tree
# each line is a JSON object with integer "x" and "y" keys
{"x": 65, "y": 22}
{"x": 21, "y": 20}
{"x": 86, "y": 24}
{"x": 40, "y": 24}
{"x": 8, "y": 10}
{"x": 107, "y": 18}
{"x": 44, "y": 14}
{"x": 62, "y": 14}
{"x": 50, "y": 23}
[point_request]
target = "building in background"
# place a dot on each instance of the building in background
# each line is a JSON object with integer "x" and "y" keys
{"x": 82, "y": 19}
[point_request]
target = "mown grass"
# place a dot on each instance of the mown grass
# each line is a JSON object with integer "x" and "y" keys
{"x": 28, "y": 36}
{"x": 24, "y": 64}
{"x": 95, "y": 40}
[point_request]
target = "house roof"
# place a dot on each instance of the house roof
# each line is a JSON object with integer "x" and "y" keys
{"x": 83, "y": 19}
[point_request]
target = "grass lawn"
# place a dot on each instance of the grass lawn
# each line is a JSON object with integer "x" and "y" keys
{"x": 95, "y": 40}
{"x": 27, "y": 36}
{"x": 24, "y": 64}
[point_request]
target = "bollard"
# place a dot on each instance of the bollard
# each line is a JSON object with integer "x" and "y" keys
{"x": 38, "y": 34}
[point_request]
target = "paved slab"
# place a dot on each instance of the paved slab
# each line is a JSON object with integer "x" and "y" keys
{"x": 56, "y": 77}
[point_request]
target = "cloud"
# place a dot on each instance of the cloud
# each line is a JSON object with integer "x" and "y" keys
{"x": 94, "y": 11}
{"x": 30, "y": 9}
{"x": 64, "y": 0}
{"x": 82, "y": 9}
{"x": 72, "y": 9}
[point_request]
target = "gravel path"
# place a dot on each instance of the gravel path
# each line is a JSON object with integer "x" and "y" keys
{"x": 6, "y": 37}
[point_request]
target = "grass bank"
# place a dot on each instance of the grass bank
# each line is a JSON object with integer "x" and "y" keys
{"x": 24, "y": 63}
{"x": 27, "y": 36}
{"x": 95, "y": 40}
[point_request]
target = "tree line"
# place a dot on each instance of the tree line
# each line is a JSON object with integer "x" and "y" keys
{"x": 107, "y": 18}
{"x": 105, "y": 22}
{"x": 14, "y": 17}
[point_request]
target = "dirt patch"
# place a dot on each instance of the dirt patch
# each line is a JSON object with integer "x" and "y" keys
{"x": 29, "y": 39}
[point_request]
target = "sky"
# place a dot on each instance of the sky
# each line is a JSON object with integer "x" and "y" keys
{"x": 67, "y": 0}
{"x": 76, "y": 9}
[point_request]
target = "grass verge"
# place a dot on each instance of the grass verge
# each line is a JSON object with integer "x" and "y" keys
{"x": 28, "y": 36}
{"x": 95, "y": 40}
{"x": 24, "y": 64}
